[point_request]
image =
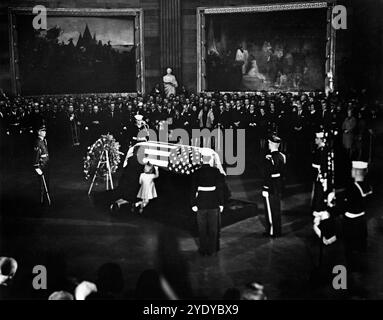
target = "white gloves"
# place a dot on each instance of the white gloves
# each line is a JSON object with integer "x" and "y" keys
{"x": 39, "y": 172}
{"x": 330, "y": 199}
{"x": 324, "y": 183}
{"x": 195, "y": 209}
{"x": 265, "y": 194}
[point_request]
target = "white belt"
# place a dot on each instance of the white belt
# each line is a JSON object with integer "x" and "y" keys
{"x": 44, "y": 156}
{"x": 276, "y": 175}
{"x": 206, "y": 188}
{"x": 354, "y": 215}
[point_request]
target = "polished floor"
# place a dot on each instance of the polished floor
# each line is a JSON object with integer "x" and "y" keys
{"x": 74, "y": 238}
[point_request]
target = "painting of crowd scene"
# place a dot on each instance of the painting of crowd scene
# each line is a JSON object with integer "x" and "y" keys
{"x": 272, "y": 51}
{"x": 76, "y": 55}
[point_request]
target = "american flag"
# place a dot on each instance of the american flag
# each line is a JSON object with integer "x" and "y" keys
{"x": 181, "y": 159}
{"x": 178, "y": 158}
{"x": 184, "y": 159}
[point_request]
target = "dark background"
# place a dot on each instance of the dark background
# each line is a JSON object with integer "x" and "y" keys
{"x": 359, "y": 48}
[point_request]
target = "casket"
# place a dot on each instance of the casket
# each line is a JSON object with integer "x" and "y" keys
{"x": 172, "y": 206}
{"x": 178, "y": 158}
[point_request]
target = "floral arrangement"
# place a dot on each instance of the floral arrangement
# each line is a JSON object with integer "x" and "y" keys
{"x": 92, "y": 158}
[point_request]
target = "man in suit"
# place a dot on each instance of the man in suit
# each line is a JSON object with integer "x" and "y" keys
{"x": 112, "y": 122}
{"x": 95, "y": 123}
{"x": 299, "y": 124}
{"x": 207, "y": 200}
{"x": 275, "y": 162}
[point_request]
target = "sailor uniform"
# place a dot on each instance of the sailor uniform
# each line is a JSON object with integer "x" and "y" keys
{"x": 354, "y": 222}
{"x": 272, "y": 189}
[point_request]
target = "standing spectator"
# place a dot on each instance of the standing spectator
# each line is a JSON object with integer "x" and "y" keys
{"x": 95, "y": 124}
{"x": 299, "y": 130}
{"x": 348, "y": 128}
{"x": 263, "y": 126}
{"x": 206, "y": 121}
{"x": 112, "y": 121}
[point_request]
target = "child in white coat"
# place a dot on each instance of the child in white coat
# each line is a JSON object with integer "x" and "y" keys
{"x": 148, "y": 190}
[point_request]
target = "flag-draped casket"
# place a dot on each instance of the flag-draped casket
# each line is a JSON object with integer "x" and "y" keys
{"x": 177, "y": 158}
{"x": 178, "y": 163}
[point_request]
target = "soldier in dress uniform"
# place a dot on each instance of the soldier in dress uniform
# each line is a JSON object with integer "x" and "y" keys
{"x": 320, "y": 174}
{"x": 354, "y": 222}
{"x": 41, "y": 163}
{"x": 207, "y": 200}
{"x": 275, "y": 162}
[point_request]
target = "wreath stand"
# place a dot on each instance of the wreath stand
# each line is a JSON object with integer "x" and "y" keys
{"x": 104, "y": 160}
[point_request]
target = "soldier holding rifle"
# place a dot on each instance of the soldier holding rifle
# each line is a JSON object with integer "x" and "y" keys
{"x": 274, "y": 167}
{"x": 41, "y": 162}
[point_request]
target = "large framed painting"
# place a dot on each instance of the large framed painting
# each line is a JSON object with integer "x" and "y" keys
{"x": 279, "y": 47}
{"x": 82, "y": 51}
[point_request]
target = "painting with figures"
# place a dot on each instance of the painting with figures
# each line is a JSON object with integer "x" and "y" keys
{"x": 272, "y": 51}
{"x": 76, "y": 54}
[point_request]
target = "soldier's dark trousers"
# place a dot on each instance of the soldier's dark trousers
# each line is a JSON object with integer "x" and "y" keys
{"x": 273, "y": 214}
{"x": 355, "y": 242}
{"x": 355, "y": 235}
{"x": 318, "y": 197}
{"x": 207, "y": 220}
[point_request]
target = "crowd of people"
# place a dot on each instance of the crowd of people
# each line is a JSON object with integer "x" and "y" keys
{"x": 294, "y": 120}
{"x": 73, "y": 120}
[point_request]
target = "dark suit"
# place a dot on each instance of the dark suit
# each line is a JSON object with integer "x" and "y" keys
{"x": 95, "y": 126}
{"x": 207, "y": 193}
{"x": 112, "y": 123}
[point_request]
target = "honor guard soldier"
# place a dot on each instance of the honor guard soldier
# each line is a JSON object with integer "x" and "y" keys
{"x": 324, "y": 222}
{"x": 275, "y": 162}
{"x": 41, "y": 163}
{"x": 320, "y": 166}
{"x": 207, "y": 200}
{"x": 355, "y": 224}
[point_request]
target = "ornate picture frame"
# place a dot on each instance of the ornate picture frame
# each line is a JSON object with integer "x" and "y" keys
{"x": 135, "y": 14}
{"x": 202, "y": 12}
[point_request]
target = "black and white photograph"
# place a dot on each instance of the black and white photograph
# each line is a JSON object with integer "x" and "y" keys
{"x": 196, "y": 153}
